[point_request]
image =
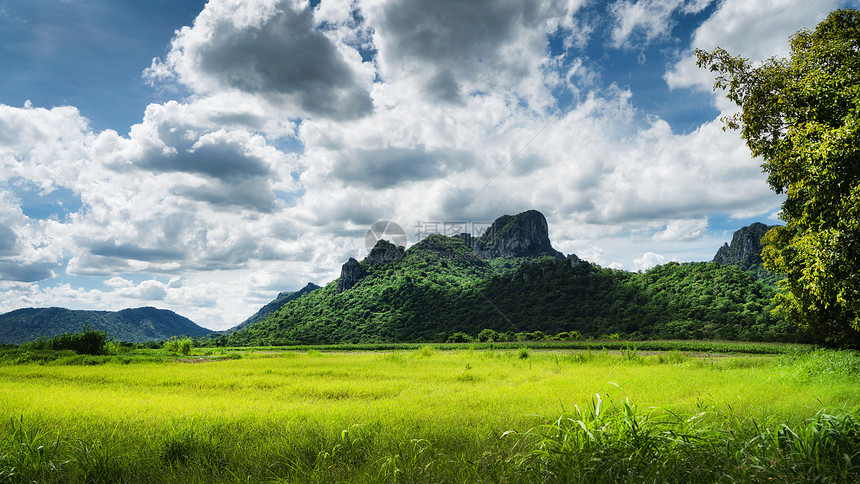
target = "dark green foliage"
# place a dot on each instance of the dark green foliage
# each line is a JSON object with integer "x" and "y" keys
{"x": 87, "y": 342}
{"x": 133, "y": 325}
{"x": 801, "y": 116}
{"x": 441, "y": 288}
{"x": 489, "y": 335}
{"x": 459, "y": 337}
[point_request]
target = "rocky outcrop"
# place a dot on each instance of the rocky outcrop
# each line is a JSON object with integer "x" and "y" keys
{"x": 384, "y": 252}
{"x": 745, "y": 248}
{"x": 350, "y": 273}
{"x": 575, "y": 261}
{"x": 522, "y": 235}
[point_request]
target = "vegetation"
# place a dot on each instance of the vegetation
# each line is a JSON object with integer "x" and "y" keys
{"x": 133, "y": 325}
{"x": 802, "y": 117}
{"x": 179, "y": 345}
{"x": 273, "y": 306}
{"x": 521, "y": 416}
{"x": 556, "y": 344}
{"x": 441, "y": 291}
{"x": 87, "y": 342}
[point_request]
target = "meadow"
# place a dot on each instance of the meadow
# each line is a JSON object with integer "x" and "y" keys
{"x": 426, "y": 415}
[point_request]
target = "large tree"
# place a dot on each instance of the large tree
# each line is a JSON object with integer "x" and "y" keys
{"x": 801, "y": 116}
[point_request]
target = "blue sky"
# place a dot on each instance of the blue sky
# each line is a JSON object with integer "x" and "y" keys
{"x": 203, "y": 156}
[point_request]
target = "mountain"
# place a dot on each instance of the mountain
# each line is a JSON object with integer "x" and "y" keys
{"x": 283, "y": 298}
{"x": 511, "y": 281}
{"x": 131, "y": 325}
{"x": 745, "y": 251}
{"x": 522, "y": 235}
{"x": 745, "y": 248}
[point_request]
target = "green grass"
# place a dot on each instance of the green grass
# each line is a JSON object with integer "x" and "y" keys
{"x": 703, "y": 346}
{"x": 426, "y": 415}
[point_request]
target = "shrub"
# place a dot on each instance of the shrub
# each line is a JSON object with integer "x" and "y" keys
{"x": 459, "y": 337}
{"x": 177, "y": 345}
{"x": 489, "y": 335}
{"x": 535, "y": 336}
{"x": 87, "y": 342}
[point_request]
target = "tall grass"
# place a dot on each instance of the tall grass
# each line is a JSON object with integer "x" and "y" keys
{"x": 435, "y": 416}
{"x": 615, "y": 442}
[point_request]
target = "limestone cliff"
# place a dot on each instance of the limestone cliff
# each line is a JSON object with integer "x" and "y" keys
{"x": 350, "y": 273}
{"x": 523, "y": 235}
{"x": 745, "y": 248}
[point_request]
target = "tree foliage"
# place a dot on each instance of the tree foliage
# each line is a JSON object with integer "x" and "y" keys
{"x": 441, "y": 291}
{"x": 801, "y": 115}
{"x": 86, "y": 342}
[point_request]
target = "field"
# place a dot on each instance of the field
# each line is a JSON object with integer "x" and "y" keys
{"x": 427, "y": 415}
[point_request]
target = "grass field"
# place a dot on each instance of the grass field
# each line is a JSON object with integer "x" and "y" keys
{"x": 425, "y": 415}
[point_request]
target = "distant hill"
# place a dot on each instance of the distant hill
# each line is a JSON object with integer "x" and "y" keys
{"x": 283, "y": 298}
{"x": 131, "y": 325}
{"x": 514, "y": 281}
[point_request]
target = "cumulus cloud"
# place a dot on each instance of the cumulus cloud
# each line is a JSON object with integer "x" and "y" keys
{"x": 26, "y": 272}
{"x": 8, "y": 239}
{"x": 146, "y": 290}
{"x": 47, "y": 147}
{"x": 303, "y": 126}
{"x": 682, "y": 230}
{"x": 269, "y": 48}
{"x": 649, "y": 260}
{"x": 386, "y": 167}
{"x": 118, "y": 282}
{"x": 754, "y": 30}
{"x": 447, "y": 50}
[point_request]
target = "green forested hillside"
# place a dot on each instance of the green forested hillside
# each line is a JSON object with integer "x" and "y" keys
{"x": 442, "y": 287}
{"x": 273, "y": 306}
{"x": 131, "y": 325}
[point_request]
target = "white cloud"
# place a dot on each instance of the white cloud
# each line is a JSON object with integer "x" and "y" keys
{"x": 649, "y": 260}
{"x": 682, "y": 230}
{"x": 118, "y": 282}
{"x": 268, "y": 48}
{"x": 304, "y": 127}
{"x": 640, "y": 22}
{"x": 756, "y": 30}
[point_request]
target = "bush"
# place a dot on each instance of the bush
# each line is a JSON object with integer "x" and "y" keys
{"x": 177, "y": 345}
{"x": 488, "y": 335}
{"x": 88, "y": 342}
{"x": 460, "y": 338}
{"x": 535, "y": 336}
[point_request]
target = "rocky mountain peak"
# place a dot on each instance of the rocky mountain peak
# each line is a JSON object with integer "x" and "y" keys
{"x": 384, "y": 252}
{"x": 523, "y": 235}
{"x": 745, "y": 248}
{"x": 350, "y": 273}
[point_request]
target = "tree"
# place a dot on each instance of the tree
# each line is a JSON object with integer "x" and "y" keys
{"x": 802, "y": 117}
{"x": 488, "y": 335}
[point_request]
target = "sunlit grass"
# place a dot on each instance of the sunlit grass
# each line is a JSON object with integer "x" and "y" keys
{"x": 284, "y": 414}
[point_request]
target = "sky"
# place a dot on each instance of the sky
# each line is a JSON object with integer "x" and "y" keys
{"x": 204, "y": 156}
